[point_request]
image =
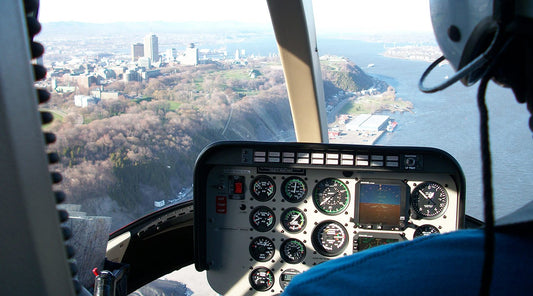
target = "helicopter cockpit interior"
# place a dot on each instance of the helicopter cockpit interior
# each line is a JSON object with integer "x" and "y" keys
{"x": 268, "y": 212}
{"x": 262, "y": 212}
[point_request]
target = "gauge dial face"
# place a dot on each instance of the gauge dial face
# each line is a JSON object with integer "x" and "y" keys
{"x": 429, "y": 200}
{"x": 262, "y": 249}
{"x": 424, "y": 230}
{"x": 262, "y": 279}
{"x": 293, "y": 220}
{"x": 331, "y": 196}
{"x": 286, "y": 277}
{"x": 262, "y": 219}
{"x": 329, "y": 238}
{"x": 292, "y": 251}
{"x": 263, "y": 188}
{"x": 294, "y": 189}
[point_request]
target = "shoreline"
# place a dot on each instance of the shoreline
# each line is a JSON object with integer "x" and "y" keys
{"x": 425, "y": 53}
{"x": 354, "y": 137}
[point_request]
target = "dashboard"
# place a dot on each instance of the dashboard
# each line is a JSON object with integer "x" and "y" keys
{"x": 266, "y": 212}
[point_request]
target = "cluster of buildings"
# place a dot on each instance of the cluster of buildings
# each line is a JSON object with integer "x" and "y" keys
{"x": 94, "y": 97}
{"x": 146, "y": 62}
{"x": 81, "y": 73}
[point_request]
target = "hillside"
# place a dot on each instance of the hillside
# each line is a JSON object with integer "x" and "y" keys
{"x": 120, "y": 156}
{"x": 343, "y": 74}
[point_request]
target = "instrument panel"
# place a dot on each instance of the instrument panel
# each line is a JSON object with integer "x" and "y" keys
{"x": 266, "y": 212}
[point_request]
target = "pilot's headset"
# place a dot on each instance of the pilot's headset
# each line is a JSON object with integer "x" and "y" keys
{"x": 487, "y": 40}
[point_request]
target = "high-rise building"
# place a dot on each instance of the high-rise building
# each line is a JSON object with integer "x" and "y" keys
{"x": 191, "y": 56}
{"x": 137, "y": 51}
{"x": 151, "y": 47}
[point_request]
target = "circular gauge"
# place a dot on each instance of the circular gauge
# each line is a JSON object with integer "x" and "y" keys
{"x": 429, "y": 200}
{"x": 292, "y": 251}
{"x": 329, "y": 238}
{"x": 261, "y": 279}
{"x": 262, "y": 249}
{"x": 294, "y": 189}
{"x": 424, "y": 230}
{"x": 331, "y": 196}
{"x": 262, "y": 219}
{"x": 286, "y": 277}
{"x": 263, "y": 188}
{"x": 293, "y": 220}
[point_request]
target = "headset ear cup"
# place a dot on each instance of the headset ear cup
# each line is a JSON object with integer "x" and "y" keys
{"x": 478, "y": 42}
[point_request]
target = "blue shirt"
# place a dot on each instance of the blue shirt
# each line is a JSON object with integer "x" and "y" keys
{"x": 445, "y": 264}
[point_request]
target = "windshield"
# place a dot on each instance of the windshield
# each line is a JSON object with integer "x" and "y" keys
{"x": 396, "y": 45}
{"x": 139, "y": 90}
{"x": 137, "y": 94}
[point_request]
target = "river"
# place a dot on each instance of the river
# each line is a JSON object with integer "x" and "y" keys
{"x": 449, "y": 120}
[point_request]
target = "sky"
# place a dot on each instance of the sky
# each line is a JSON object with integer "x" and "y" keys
{"x": 330, "y": 15}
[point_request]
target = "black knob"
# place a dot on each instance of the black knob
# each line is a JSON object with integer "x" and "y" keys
{"x": 56, "y": 177}
{"x": 49, "y": 138}
{"x": 63, "y": 215}
{"x": 60, "y": 196}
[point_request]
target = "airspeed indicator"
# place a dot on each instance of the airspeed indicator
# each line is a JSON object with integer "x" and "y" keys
{"x": 331, "y": 196}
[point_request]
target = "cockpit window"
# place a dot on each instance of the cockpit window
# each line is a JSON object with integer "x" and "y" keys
{"x": 393, "y": 43}
{"x": 139, "y": 90}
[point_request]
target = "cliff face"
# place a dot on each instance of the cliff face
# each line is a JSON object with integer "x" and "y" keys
{"x": 343, "y": 74}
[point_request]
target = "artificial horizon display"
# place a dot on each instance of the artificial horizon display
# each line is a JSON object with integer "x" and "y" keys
{"x": 381, "y": 204}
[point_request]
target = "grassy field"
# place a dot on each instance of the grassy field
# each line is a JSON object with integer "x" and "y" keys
{"x": 174, "y": 105}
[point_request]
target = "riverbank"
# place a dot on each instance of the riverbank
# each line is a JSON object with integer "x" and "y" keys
{"x": 363, "y": 129}
{"x": 352, "y": 137}
{"x": 424, "y": 53}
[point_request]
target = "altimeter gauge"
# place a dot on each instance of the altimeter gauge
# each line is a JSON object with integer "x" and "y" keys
{"x": 429, "y": 200}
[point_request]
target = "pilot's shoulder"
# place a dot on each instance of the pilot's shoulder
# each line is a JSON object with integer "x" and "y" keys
{"x": 425, "y": 264}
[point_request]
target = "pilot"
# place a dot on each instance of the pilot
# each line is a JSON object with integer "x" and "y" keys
{"x": 487, "y": 40}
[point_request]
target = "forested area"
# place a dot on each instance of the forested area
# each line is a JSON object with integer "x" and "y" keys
{"x": 121, "y": 155}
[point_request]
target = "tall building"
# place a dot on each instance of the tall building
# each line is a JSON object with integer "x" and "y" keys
{"x": 191, "y": 56}
{"x": 151, "y": 47}
{"x": 137, "y": 51}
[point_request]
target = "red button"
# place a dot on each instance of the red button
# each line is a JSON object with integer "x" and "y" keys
{"x": 237, "y": 188}
{"x": 221, "y": 205}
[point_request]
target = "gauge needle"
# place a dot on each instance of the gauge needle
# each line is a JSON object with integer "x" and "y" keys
{"x": 330, "y": 195}
{"x": 294, "y": 220}
{"x": 427, "y": 197}
{"x": 294, "y": 188}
